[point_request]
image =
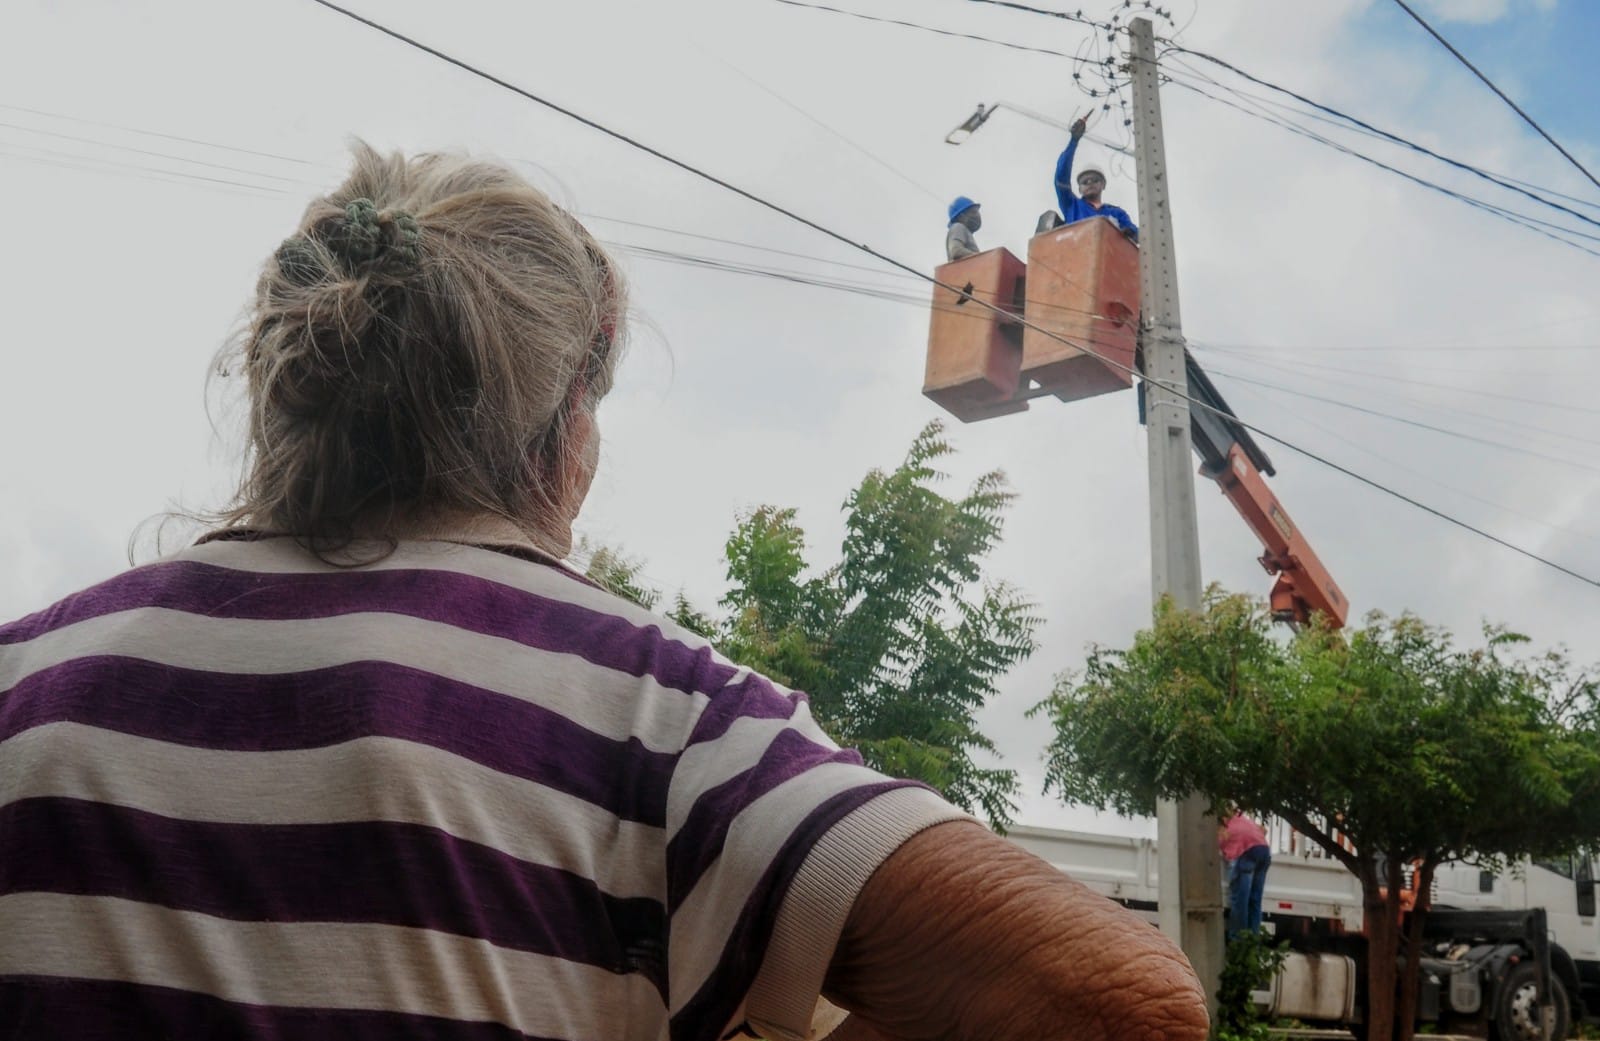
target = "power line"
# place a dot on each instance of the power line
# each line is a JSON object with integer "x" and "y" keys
{"x": 165, "y": 174}
{"x": 1252, "y": 352}
{"x": 924, "y": 28}
{"x": 1105, "y": 26}
{"x": 171, "y": 176}
{"x": 1516, "y": 427}
{"x": 1389, "y": 460}
{"x": 1342, "y": 124}
{"x": 70, "y": 161}
{"x": 1391, "y": 378}
{"x": 157, "y": 155}
{"x": 1112, "y": 27}
{"x": 783, "y": 274}
{"x": 1433, "y": 349}
{"x": 1385, "y": 134}
{"x": 919, "y": 186}
{"x": 867, "y": 289}
{"x": 1535, "y": 224}
{"x": 1517, "y": 449}
{"x": 1292, "y": 368}
{"x": 1521, "y": 220}
{"x": 816, "y": 280}
{"x": 1243, "y": 351}
{"x": 1105, "y": 67}
{"x": 732, "y": 242}
{"x": 94, "y": 164}
{"x": 750, "y": 245}
{"x": 1505, "y": 182}
{"x": 1418, "y": 504}
{"x": 156, "y": 133}
{"x": 776, "y": 208}
{"x": 1500, "y": 93}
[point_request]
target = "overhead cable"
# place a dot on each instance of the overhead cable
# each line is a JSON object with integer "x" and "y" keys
{"x": 1112, "y": 27}
{"x": 1105, "y": 26}
{"x": 1526, "y": 220}
{"x": 1516, "y": 427}
{"x": 1537, "y": 193}
{"x": 1498, "y": 92}
{"x": 917, "y": 300}
{"x": 830, "y": 233}
{"x": 924, "y": 28}
{"x": 1322, "y": 117}
{"x": 1389, "y": 377}
{"x": 1522, "y": 220}
{"x": 918, "y": 185}
{"x": 155, "y": 133}
{"x": 1385, "y": 134}
{"x": 1432, "y": 348}
{"x": 71, "y": 161}
{"x": 1388, "y": 459}
{"x": 750, "y": 245}
{"x": 1352, "y": 406}
{"x": 145, "y": 151}
{"x": 868, "y": 289}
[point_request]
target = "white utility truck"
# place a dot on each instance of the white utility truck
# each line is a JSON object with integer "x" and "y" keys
{"x": 1515, "y": 956}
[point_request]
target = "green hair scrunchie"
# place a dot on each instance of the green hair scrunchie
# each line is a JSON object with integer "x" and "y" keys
{"x": 357, "y": 239}
{"x": 362, "y": 235}
{"x": 407, "y": 242}
{"x": 298, "y": 262}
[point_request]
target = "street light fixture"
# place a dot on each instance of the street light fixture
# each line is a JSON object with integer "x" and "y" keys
{"x": 974, "y": 121}
{"x": 960, "y": 134}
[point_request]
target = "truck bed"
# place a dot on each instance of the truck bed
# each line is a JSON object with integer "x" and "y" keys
{"x": 1299, "y": 884}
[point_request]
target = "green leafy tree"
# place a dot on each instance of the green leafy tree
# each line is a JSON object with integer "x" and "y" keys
{"x": 1251, "y": 962}
{"x": 900, "y": 641}
{"x": 610, "y": 569}
{"x": 1415, "y": 750}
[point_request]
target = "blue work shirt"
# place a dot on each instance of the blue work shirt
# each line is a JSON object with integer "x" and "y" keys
{"x": 1074, "y": 209}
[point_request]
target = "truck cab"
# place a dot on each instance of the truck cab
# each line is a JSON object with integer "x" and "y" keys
{"x": 1565, "y": 888}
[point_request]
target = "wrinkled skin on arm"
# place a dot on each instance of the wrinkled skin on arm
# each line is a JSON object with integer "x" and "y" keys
{"x": 962, "y": 935}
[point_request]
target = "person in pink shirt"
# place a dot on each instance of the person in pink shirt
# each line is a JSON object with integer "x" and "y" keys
{"x": 1244, "y": 847}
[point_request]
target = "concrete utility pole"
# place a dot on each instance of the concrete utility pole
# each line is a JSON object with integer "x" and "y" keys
{"x": 1189, "y": 865}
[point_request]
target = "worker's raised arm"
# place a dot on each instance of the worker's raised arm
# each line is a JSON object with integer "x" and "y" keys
{"x": 1064, "y": 194}
{"x": 962, "y": 935}
{"x": 1064, "y": 172}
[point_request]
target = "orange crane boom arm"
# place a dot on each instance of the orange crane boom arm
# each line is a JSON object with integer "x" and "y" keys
{"x": 1304, "y": 585}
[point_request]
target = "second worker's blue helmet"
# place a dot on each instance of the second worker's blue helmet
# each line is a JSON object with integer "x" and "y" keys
{"x": 961, "y": 205}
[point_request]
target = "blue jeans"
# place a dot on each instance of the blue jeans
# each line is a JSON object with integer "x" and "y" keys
{"x": 1248, "y": 878}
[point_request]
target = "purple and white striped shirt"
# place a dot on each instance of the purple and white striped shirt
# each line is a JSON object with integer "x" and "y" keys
{"x": 457, "y": 794}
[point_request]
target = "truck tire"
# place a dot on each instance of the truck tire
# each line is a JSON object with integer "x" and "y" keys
{"x": 1517, "y": 1014}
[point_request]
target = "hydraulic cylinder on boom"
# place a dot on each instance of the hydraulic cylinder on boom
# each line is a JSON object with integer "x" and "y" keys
{"x": 1231, "y": 457}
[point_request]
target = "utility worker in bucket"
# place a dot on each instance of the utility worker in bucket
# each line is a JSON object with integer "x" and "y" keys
{"x": 964, "y": 220}
{"x": 1091, "y": 182}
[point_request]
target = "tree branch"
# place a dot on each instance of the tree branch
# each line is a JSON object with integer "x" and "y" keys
{"x": 1302, "y": 823}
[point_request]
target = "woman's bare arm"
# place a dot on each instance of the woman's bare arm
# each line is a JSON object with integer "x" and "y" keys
{"x": 962, "y": 935}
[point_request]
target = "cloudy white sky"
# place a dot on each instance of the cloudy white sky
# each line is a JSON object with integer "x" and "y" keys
{"x": 122, "y": 270}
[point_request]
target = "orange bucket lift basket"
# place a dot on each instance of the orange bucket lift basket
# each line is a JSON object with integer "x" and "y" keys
{"x": 1080, "y": 285}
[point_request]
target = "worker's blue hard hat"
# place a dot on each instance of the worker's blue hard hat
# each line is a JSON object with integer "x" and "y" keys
{"x": 960, "y": 206}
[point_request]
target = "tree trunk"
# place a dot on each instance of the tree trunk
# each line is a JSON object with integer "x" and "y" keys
{"x": 1382, "y": 948}
{"x": 1411, "y": 974}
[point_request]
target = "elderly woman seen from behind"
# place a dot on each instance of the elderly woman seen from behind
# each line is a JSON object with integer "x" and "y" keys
{"x": 370, "y": 762}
